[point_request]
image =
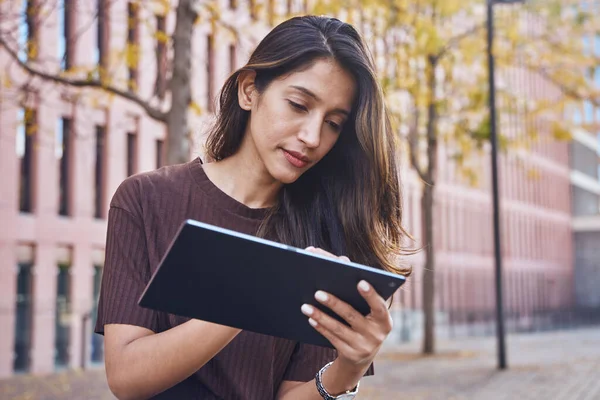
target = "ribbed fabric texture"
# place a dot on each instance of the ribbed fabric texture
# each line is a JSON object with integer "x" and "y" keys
{"x": 145, "y": 213}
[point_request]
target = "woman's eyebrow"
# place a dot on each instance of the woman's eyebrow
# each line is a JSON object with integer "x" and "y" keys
{"x": 306, "y": 92}
{"x": 317, "y": 98}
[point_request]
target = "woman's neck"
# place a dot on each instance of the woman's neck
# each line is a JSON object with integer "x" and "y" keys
{"x": 244, "y": 177}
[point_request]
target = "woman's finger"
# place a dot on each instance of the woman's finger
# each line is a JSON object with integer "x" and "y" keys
{"x": 325, "y": 253}
{"x": 340, "y": 330}
{"x": 340, "y": 345}
{"x": 379, "y": 310}
{"x": 318, "y": 250}
{"x": 355, "y": 319}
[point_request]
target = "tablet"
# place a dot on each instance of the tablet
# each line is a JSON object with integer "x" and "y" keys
{"x": 229, "y": 278}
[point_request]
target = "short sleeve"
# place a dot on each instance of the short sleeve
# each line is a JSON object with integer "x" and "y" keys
{"x": 308, "y": 359}
{"x": 126, "y": 272}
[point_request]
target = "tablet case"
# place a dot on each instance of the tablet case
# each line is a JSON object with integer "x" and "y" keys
{"x": 229, "y": 278}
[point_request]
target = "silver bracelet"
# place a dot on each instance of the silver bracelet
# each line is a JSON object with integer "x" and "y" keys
{"x": 348, "y": 395}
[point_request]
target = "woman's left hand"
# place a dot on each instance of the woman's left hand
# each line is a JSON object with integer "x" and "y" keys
{"x": 359, "y": 343}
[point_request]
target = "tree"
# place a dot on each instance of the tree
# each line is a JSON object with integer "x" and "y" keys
{"x": 428, "y": 54}
{"x": 171, "y": 100}
{"x": 434, "y": 73}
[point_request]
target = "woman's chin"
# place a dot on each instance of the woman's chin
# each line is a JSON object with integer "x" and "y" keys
{"x": 288, "y": 179}
{"x": 287, "y": 176}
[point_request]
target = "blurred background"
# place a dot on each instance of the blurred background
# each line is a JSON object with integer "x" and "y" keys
{"x": 93, "y": 91}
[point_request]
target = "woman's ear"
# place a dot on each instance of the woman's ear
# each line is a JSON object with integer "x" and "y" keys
{"x": 246, "y": 89}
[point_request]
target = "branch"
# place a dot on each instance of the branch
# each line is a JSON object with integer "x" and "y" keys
{"x": 569, "y": 91}
{"x": 557, "y": 45}
{"x": 413, "y": 139}
{"x": 151, "y": 111}
{"x": 456, "y": 40}
{"x": 215, "y": 17}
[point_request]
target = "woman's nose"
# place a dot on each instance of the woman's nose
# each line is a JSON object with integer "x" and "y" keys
{"x": 311, "y": 133}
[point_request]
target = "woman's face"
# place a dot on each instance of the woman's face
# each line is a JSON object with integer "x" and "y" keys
{"x": 296, "y": 121}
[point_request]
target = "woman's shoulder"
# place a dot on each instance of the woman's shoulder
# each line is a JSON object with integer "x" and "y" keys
{"x": 160, "y": 183}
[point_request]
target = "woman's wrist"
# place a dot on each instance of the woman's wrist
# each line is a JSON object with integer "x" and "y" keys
{"x": 341, "y": 377}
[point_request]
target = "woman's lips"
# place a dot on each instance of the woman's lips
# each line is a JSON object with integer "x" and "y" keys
{"x": 296, "y": 159}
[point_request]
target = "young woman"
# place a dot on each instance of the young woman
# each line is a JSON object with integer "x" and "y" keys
{"x": 303, "y": 154}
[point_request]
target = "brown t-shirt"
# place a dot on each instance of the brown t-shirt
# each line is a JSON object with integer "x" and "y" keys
{"x": 145, "y": 213}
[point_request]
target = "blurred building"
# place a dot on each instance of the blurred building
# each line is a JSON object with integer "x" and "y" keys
{"x": 585, "y": 181}
{"x": 64, "y": 152}
{"x": 536, "y": 238}
{"x": 536, "y": 228}
{"x": 585, "y": 190}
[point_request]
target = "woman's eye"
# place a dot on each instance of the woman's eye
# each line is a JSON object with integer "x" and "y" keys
{"x": 296, "y": 106}
{"x": 335, "y": 126}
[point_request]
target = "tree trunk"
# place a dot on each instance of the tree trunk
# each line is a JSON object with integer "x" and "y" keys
{"x": 427, "y": 201}
{"x": 178, "y": 138}
{"x": 429, "y": 270}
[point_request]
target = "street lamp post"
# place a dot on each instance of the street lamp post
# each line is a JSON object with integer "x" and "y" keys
{"x": 500, "y": 334}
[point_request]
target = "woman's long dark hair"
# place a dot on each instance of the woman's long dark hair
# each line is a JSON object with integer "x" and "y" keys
{"x": 349, "y": 203}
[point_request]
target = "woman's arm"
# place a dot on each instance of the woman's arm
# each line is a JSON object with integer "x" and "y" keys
{"x": 141, "y": 363}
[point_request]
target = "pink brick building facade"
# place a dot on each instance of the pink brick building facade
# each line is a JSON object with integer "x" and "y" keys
{"x": 536, "y": 240}
{"x": 59, "y": 168}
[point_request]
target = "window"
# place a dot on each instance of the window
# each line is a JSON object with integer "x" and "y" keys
{"x": 62, "y": 339}
{"x": 131, "y": 153}
{"x": 23, "y": 319}
{"x": 63, "y": 153}
{"x": 577, "y": 114}
{"x": 271, "y": 12}
{"x": 232, "y": 58}
{"x": 99, "y": 172}
{"x": 97, "y": 353}
{"x": 252, "y": 7}
{"x": 102, "y": 36}
{"x": 210, "y": 68}
{"x": 65, "y": 34}
{"x": 588, "y": 112}
{"x": 584, "y": 160}
{"x": 160, "y": 153}
{"x": 25, "y": 148}
{"x": 27, "y": 31}
{"x": 584, "y": 203}
{"x": 132, "y": 46}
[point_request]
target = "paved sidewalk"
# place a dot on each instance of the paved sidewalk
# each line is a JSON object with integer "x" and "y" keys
{"x": 545, "y": 366}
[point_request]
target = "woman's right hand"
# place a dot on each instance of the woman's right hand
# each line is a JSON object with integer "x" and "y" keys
{"x": 358, "y": 343}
